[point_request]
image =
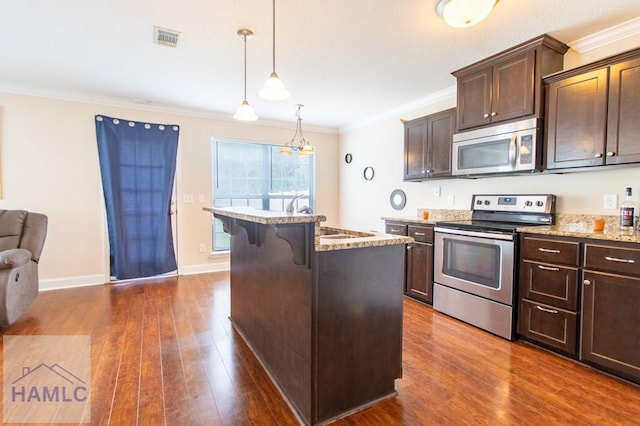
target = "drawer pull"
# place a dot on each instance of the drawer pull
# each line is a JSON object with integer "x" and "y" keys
{"x": 615, "y": 259}
{"x": 547, "y": 268}
{"x": 551, "y": 311}
{"x": 422, "y": 234}
{"x": 548, "y": 250}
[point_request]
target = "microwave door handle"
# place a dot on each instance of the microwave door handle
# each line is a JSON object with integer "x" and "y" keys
{"x": 513, "y": 150}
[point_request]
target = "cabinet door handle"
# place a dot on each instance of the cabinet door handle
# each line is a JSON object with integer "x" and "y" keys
{"x": 597, "y": 155}
{"x": 551, "y": 311}
{"x": 422, "y": 234}
{"x": 586, "y": 282}
{"x": 547, "y": 268}
{"x": 548, "y": 250}
{"x": 486, "y": 115}
{"x": 493, "y": 114}
{"x": 610, "y": 153}
{"x": 615, "y": 259}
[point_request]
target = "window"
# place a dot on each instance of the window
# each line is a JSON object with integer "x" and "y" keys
{"x": 257, "y": 175}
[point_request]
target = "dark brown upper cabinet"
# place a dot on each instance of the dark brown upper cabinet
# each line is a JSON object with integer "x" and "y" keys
{"x": 623, "y": 123}
{"x": 592, "y": 114}
{"x": 427, "y": 146}
{"x": 507, "y": 85}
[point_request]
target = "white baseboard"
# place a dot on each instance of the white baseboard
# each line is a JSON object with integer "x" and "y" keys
{"x": 87, "y": 280}
{"x": 70, "y": 282}
{"x": 207, "y": 267}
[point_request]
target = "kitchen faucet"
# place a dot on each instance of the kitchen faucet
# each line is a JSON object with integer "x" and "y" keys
{"x": 290, "y": 208}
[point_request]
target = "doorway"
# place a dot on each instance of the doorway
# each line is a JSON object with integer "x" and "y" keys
{"x": 138, "y": 165}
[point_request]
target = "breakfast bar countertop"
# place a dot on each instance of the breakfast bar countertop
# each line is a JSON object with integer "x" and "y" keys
{"x": 325, "y": 238}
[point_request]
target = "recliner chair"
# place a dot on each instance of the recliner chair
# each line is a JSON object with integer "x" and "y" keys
{"x": 22, "y": 236}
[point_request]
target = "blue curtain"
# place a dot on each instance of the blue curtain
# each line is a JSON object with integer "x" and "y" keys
{"x": 138, "y": 164}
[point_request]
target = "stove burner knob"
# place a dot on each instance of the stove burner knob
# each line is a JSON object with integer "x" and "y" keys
{"x": 487, "y": 202}
{"x": 539, "y": 203}
{"x": 479, "y": 202}
{"x": 528, "y": 203}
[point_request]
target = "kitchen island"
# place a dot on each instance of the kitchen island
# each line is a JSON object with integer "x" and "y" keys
{"x": 320, "y": 307}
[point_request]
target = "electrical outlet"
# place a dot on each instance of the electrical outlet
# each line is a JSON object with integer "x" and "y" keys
{"x": 610, "y": 201}
{"x": 201, "y": 198}
{"x": 451, "y": 199}
{"x": 437, "y": 191}
{"x": 203, "y": 248}
{"x": 188, "y": 198}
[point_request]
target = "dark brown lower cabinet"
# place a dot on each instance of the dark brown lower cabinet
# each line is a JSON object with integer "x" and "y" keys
{"x": 420, "y": 263}
{"x": 420, "y": 271}
{"x": 548, "y": 308}
{"x": 611, "y": 323}
{"x": 549, "y": 325}
{"x": 419, "y": 266}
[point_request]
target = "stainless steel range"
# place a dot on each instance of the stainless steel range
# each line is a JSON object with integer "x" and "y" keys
{"x": 475, "y": 261}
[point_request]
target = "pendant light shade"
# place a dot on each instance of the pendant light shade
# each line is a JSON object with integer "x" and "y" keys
{"x": 464, "y": 13}
{"x": 274, "y": 88}
{"x": 245, "y": 112}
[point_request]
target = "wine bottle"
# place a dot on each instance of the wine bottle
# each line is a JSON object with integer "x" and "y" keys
{"x": 627, "y": 213}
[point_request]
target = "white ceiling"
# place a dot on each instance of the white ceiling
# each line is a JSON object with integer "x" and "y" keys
{"x": 345, "y": 60}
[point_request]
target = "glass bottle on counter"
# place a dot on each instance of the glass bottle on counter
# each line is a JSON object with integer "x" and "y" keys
{"x": 627, "y": 213}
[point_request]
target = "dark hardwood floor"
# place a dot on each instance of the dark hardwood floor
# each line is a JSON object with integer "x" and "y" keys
{"x": 164, "y": 352}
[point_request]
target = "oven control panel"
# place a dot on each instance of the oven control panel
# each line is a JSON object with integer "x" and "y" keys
{"x": 524, "y": 203}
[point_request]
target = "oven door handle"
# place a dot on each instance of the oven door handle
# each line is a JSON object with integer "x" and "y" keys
{"x": 491, "y": 235}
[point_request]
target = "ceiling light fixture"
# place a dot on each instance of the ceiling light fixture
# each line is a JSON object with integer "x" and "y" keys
{"x": 273, "y": 88}
{"x": 464, "y": 13}
{"x": 303, "y": 147}
{"x": 245, "y": 112}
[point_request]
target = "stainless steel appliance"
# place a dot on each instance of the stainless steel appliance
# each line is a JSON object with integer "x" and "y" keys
{"x": 475, "y": 261}
{"x": 506, "y": 148}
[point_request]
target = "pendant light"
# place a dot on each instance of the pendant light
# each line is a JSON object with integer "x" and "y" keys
{"x": 245, "y": 112}
{"x": 273, "y": 88}
{"x": 303, "y": 147}
{"x": 464, "y": 13}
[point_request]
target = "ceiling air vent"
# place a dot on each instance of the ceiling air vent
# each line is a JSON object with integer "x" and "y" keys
{"x": 165, "y": 37}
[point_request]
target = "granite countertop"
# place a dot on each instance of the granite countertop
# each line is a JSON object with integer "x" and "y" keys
{"x": 265, "y": 217}
{"x": 581, "y": 226}
{"x": 435, "y": 215}
{"x": 354, "y": 239}
{"x": 341, "y": 239}
{"x": 567, "y": 225}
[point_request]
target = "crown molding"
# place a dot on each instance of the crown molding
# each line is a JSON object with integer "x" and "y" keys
{"x": 139, "y": 105}
{"x": 433, "y": 98}
{"x": 607, "y": 36}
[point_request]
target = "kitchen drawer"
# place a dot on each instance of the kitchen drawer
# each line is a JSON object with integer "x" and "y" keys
{"x": 550, "y": 284}
{"x": 422, "y": 234}
{"x": 624, "y": 261}
{"x": 551, "y": 251}
{"x": 396, "y": 229}
{"x": 548, "y": 325}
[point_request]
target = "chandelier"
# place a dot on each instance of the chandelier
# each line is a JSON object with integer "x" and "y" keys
{"x": 302, "y": 147}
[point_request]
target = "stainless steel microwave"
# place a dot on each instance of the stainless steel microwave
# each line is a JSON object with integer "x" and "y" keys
{"x": 505, "y": 148}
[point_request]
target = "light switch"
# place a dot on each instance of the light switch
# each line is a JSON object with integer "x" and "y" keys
{"x": 201, "y": 198}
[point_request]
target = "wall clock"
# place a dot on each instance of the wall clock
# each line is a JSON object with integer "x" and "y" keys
{"x": 398, "y": 199}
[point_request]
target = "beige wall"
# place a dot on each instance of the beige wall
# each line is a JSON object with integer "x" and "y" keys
{"x": 380, "y": 145}
{"x": 49, "y": 164}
